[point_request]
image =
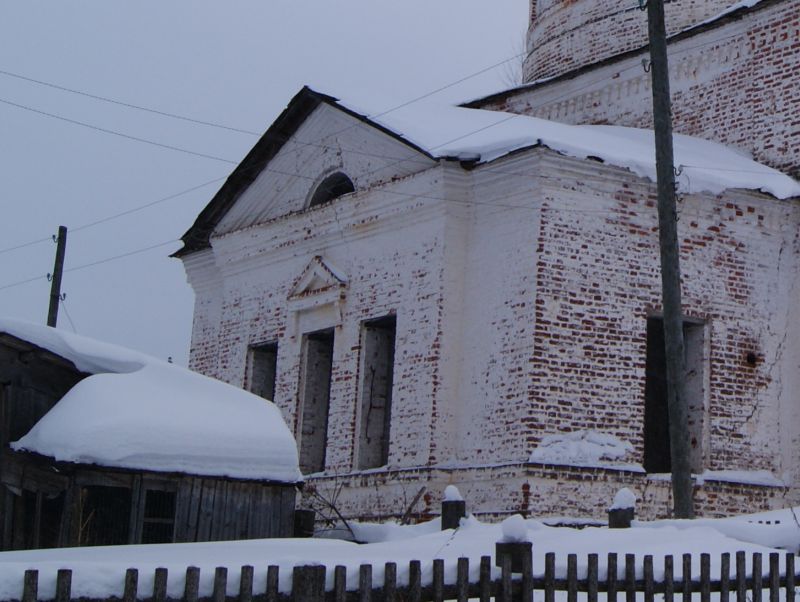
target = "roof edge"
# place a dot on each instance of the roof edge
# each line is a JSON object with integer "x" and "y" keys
{"x": 299, "y": 108}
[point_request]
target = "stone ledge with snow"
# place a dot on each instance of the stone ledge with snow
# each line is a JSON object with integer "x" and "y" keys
{"x": 584, "y": 448}
{"x": 137, "y": 412}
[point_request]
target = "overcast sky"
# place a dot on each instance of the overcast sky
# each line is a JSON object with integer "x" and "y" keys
{"x": 235, "y": 64}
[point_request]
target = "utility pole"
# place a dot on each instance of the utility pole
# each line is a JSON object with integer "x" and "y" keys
{"x": 682, "y": 487}
{"x": 55, "y": 282}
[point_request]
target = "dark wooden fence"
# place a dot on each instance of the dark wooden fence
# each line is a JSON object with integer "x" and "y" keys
{"x": 766, "y": 581}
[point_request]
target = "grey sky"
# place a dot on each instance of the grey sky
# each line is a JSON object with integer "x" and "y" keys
{"x": 231, "y": 63}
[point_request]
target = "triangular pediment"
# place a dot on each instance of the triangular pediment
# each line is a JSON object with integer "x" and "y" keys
{"x": 316, "y": 135}
{"x": 318, "y": 278}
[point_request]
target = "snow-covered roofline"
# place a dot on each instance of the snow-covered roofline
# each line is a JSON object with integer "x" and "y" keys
{"x": 480, "y": 136}
{"x": 483, "y": 136}
{"x": 138, "y": 412}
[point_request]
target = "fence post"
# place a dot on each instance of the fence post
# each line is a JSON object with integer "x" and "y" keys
{"x": 390, "y": 582}
{"x": 131, "y": 585}
{"x": 454, "y": 508}
{"x": 758, "y": 577}
{"x": 160, "y": 585}
{"x": 246, "y": 584}
{"x": 415, "y": 581}
{"x": 364, "y": 584}
{"x": 622, "y": 509}
{"x": 308, "y": 583}
{"x": 30, "y": 587}
{"x": 63, "y": 585}
{"x": 340, "y": 583}
{"x": 220, "y": 584}
{"x": 438, "y": 580}
{"x": 272, "y": 582}
{"x": 191, "y": 588}
{"x": 485, "y": 585}
{"x": 462, "y": 580}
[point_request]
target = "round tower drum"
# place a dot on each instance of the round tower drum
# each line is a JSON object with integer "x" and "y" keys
{"x": 568, "y": 34}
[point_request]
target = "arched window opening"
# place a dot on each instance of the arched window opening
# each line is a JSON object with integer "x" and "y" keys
{"x": 332, "y": 187}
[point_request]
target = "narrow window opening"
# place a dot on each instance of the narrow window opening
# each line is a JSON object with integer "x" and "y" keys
{"x": 656, "y": 415}
{"x": 158, "y": 521}
{"x": 378, "y": 340}
{"x": 105, "y": 516}
{"x": 318, "y": 365}
{"x": 332, "y": 187}
{"x": 263, "y": 370}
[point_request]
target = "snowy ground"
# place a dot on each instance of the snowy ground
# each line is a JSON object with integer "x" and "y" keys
{"x": 99, "y": 572}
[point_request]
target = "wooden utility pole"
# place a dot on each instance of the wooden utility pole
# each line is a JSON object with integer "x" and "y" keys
{"x": 682, "y": 491}
{"x": 55, "y": 282}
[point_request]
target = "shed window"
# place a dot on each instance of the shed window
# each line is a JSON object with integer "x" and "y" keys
{"x": 316, "y": 383}
{"x": 263, "y": 370}
{"x": 105, "y": 516}
{"x": 378, "y": 337}
{"x": 656, "y": 415}
{"x": 158, "y": 521}
{"x": 332, "y": 187}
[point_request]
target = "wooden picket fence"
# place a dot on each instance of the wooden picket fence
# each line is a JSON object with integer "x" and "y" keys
{"x": 764, "y": 583}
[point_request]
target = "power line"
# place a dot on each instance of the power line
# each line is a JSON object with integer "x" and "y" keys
{"x": 93, "y": 263}
{"x": 126, "y": 104}
{"x": 145, "y": 206}
{"x": 116, "y": 215}
{"x": 21, "y": 282}
{"x": 115, "y": 132}
{"x": 30, "y": 243}
{"x": 121, "y": 256}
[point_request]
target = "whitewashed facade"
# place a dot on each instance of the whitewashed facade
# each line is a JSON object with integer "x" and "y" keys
{"x": 511, "y": 301}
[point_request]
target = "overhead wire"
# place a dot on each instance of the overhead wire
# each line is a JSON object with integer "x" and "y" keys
{"x": 398, "y": 159}
{"x": 126, "y": 104}
{"x": 115, "y": 132}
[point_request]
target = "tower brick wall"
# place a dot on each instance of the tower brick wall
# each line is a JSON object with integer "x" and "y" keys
{"x": 733, "y": 81}
{"x": 566, "y": 34}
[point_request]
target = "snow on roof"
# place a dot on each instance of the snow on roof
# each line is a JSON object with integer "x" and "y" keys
{"x": 139, "y": 412}
{"x": 483, "y": 136}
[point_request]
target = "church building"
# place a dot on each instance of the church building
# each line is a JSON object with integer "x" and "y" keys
{"x": 471, "y": 295}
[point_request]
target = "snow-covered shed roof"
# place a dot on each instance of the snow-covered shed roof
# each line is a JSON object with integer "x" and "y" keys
{"x": 135, "y": 411}
{"x": 479, "y": 136}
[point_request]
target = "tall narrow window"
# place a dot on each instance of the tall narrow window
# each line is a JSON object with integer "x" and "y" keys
{"x": 656, "y": 415}
{"x": 316, "y": 392}
{"x": 378, "y": 337}
{"x": 263, "y": 362}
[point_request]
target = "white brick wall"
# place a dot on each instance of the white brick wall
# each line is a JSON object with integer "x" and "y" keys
{"x": 521, "y": 290}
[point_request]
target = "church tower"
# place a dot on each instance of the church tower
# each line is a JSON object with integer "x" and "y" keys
{"x": 734, "y": 68}
{"x": 567, "y": 34}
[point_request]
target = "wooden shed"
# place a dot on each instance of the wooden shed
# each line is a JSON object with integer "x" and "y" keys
{"x": 64, "y": 485}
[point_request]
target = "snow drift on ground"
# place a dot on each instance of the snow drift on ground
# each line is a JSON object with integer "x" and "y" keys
{"x": 99, "y": 572}
{"x": 138, "y": 412}
{"x": 483, "y": 136}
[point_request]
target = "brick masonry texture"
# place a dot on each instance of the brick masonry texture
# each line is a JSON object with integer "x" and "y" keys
{"x": 521, "y": 291}
{"x": 565, "y": 34}
{"x": 734, "y": 82}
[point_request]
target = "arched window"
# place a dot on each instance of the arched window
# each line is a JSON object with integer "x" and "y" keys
{"x": 332, "y": 187}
